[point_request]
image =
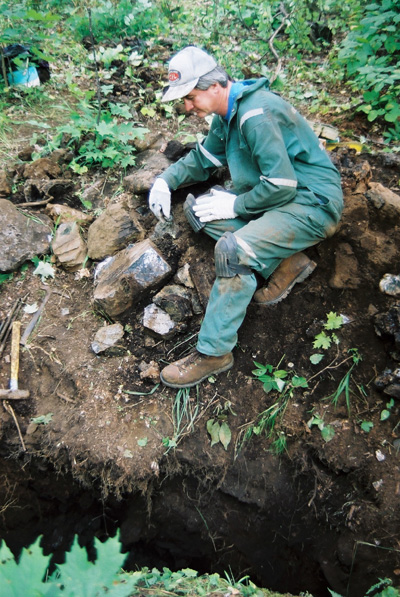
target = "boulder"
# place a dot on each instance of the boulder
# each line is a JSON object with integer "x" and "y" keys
{"x": 129, "y": 276}
{"x": 68, "y": 246}
{"x": 116, "y": 228}
{"x": 21, "y": 236}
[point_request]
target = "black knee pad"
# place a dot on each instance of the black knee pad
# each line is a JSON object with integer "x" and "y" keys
{"x": 190, "y": 215}
{"x": 226, "y": 259}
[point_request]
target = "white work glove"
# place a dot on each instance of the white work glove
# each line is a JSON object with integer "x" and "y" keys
{"x": 160, "y": 200}
{"x": 218, "y": 205}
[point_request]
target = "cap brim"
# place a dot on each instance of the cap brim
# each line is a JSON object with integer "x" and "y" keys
{"x": 178, "y": 91}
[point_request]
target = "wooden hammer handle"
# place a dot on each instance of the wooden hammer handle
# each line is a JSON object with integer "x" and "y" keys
{"x": 15, "y": 336}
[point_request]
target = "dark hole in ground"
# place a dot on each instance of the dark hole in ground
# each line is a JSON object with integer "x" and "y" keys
{"x": 185, "y": 524}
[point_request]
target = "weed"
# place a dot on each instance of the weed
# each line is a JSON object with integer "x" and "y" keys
{"x": 385, "y": 413}
{"x": 327, "y": 431}
{"x": 284, "y": 384}
{"x": 344, "y": 384}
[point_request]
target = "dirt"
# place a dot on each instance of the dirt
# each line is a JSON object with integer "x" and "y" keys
{"x": 321, "y": 513}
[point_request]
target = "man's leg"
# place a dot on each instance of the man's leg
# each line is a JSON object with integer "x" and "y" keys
{"x": 261, "y": 244}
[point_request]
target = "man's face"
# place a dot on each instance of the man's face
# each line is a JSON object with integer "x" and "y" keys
{"x": 201, "y": 102}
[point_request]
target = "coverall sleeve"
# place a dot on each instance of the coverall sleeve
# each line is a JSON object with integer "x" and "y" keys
{"x": 277, "y": 182}
{"x": 198, "y": 164}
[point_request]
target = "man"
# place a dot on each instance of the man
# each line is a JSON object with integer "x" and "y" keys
{"x": 286, "y": 197}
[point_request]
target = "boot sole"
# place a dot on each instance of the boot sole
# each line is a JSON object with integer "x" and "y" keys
{"x": 194, "y": 383}
{"x": 307, "y": 271}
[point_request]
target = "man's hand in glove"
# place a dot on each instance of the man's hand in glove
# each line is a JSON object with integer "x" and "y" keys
{"x": 160, "y": 200}
{"x": 218, "y": 205}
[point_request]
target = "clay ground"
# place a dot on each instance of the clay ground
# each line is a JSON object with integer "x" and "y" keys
{"x": 109, "y": 429}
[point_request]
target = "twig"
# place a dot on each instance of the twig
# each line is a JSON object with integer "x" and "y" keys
{"x": 3, "y": 68}
{"x": 271, "y": 40}
{"x": 35, "y": 203}
{"x": 95, "y": 66}
{"x": 10, "y": 410}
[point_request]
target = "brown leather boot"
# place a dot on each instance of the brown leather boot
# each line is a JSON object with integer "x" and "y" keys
{"x": 292, "y": 270}
{"x": 191, "y": 370}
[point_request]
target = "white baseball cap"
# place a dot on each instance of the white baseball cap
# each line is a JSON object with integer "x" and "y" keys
{"x": 184, "y": 71}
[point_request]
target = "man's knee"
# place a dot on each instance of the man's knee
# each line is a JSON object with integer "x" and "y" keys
{"x": 226, "y": 258}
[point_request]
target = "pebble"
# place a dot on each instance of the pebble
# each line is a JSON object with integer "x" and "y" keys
{"x": 390, "y": 284}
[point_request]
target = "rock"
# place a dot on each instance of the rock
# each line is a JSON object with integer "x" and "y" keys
{"x": 93, "y": 193}
{"x": 142, "y": 180}
{"x": 174, "y": 150}
{"x": 64, "y": 213}
{"x": 107, "y": 338}
{"x": 346, "y": 268}
{"x": 390, "y": 285}
{"x": 387, "y": 325}
{"x": 25, "y": 154}
{"x": 151, "y": 140}
{"x": 203, "y": 276}
{"x": 393, "y": 390}
{"x": 5, "y": 185}
{"x": 150, "y": 371}
{"x": 182, "y": 276}
{"x": 112, "y": 231}
{"x": 128, "y": 276}
{"x": 21, "y": 237}
{"x": 176, "y": 301}
{"x": 158, "y": 322}
{"x": 42, "y": 168}
{"x": 384, "y": 201}
{"x": 43, "y": 188}
{"x": 68, "y": 246}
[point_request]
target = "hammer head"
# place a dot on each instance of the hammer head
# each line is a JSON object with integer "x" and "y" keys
{"x": 14, "y": 394}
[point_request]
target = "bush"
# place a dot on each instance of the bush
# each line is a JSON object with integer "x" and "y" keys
{"x": 371, "y": 56}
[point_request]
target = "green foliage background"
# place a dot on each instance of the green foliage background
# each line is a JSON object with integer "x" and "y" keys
{"x": 316, "y": 51}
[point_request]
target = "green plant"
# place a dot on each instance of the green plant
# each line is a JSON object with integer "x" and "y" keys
{"x": 371, "y": 56}
{"x": 327, "y": 431}
{"x": 366, "y": 426}
{"x": 218, "y": 427}
{"x": 103, "y": 141}
{"x": 344, "y": 384}
{"x": 283, "y": 384}
{"x": 385, "y": 413}
{"x": 42, "y": 419}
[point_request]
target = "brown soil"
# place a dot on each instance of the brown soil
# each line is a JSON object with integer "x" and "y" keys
{"x": 321, "y": 513}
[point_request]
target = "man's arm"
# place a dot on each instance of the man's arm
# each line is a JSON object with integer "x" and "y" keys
{"x": 198, "y": 164}
{"x": 277, "y": 182}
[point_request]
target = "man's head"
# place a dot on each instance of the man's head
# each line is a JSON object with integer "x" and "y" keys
{"x": 192, "y": 68}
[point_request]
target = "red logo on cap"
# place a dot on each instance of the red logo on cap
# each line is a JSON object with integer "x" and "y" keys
{"x": 174, "y": 75}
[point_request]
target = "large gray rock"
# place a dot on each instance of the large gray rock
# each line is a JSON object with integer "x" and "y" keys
{"x": 384, "y": 200}
{"x": 128, "y": 276}
{"x": 116, "y": 228}
{"x": 142, "y": 180}
{"x": 68, "y": 246}
{"x": 21, "y": 236}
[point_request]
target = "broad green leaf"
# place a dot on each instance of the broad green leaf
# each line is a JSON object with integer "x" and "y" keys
{"x": 385, "y": 414}
{"x": 225, "y": 435}
{"x": 316, "y": 358}
{"x": 367, "y": 426}
{"x": 322, "y": 341}
{"x": 142, "y": 442}
{"x": 334, "y": 321}
{"x": 213, "y": 430}
{"x": 24, "y": 578}
{"x": 327, "y": 433}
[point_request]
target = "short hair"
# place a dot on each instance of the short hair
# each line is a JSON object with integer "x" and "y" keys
{"x": 217, "y": 75}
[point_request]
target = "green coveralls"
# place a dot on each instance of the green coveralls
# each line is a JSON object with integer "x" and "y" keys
{"x": 288, "y": 198}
